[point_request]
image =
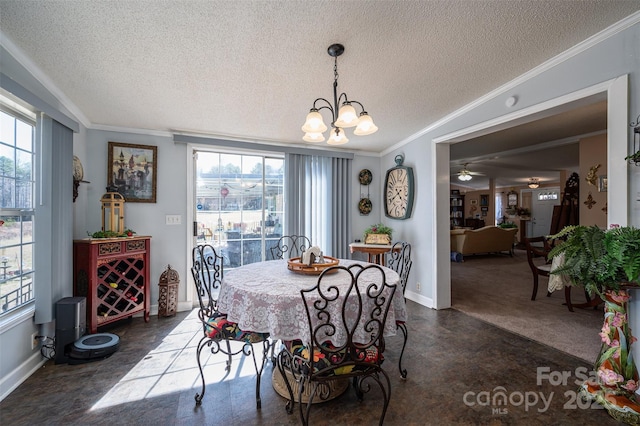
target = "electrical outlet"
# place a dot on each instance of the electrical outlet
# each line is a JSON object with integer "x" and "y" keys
{"x": 418, "y": 286}
{"x": 34, "y": 341}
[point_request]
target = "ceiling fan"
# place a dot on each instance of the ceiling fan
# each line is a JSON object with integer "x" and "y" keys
{"x": 465, "y": 175}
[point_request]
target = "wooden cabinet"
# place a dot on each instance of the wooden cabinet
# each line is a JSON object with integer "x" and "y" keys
{"x": 113, "y": 275}
{"x": 456, "y": 209}
{"x": 473, "y": 223}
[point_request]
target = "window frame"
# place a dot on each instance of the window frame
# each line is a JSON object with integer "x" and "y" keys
{"x": 26, "y": 308}
{"x": 241, "y": 240}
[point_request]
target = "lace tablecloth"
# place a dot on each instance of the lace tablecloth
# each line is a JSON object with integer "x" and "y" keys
{"x": 558, "y": 281}
{"x": 265, "y": 297}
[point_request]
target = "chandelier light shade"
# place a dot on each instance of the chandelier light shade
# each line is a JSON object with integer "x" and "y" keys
{"x": 534, "y": 183}
{"x": 313, "y": 137}
{"x": 343, "y": 113}
{"x": 464, "y": 175}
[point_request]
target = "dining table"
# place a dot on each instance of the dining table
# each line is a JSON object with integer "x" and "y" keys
{"x": 265, "y": 297}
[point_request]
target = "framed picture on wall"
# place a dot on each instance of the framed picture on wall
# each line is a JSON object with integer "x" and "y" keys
{"x": 602, "y": 184}
{"x": 133, "y": 170}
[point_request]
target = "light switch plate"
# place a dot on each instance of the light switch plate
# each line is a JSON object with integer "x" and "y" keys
{"x": 173, "y": 219}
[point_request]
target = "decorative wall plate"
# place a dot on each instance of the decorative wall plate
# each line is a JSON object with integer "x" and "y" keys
{"x": 78, "y": 172}
{"x": 365, "y": 177}
{"x": 364, "y": 206}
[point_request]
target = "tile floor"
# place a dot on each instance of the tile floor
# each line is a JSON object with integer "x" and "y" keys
{"x": 456, "y": 364}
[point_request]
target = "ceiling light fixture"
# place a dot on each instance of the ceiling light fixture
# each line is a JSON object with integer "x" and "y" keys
{"x": 341, "y": 118}
{"x": 534, "y": 183}
{"x": 464, "y": 175}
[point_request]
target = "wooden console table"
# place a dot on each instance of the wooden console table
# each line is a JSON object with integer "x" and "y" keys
{"x": 113, "y": 274}
{"x": 376, "y": 252}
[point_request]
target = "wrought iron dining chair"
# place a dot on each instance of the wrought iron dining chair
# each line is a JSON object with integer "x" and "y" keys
{"x": 345, "y": 338}
{"x": 538, "y": 247}
{"x": 218, "y": 332}
{"x": 400, "y": 261}
{"x": 289, "y": 246}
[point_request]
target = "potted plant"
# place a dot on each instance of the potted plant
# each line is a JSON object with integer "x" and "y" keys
{"x": 634, "y": 158}
{"x": 378, "y": 234}
{"x": 607, "y": 264}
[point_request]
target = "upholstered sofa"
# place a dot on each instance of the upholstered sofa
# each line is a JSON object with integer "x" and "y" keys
{"x": 489, "y": 239}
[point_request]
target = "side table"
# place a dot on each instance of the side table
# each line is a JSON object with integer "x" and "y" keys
{"x": 376, "y": 252}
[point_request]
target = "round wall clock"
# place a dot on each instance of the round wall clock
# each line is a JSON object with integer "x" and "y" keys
{"x": 398, "y": 190}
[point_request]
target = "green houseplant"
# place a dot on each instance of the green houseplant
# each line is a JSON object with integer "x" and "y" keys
{"x": 378, "y": 234}
{"x": 599, "y": 260}
{"x": 607, "y": 264}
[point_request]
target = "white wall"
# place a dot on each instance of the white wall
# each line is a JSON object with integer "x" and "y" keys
{"x": 362, "y": 222}
{"x": 168, "y": 242}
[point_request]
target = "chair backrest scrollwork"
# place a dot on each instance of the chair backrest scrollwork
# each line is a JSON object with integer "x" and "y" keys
{"x": 400, "y": 261}
{"x": 207, "y": 271}
{"x": 290, "y": 246}
{"x": 347, "y": 312}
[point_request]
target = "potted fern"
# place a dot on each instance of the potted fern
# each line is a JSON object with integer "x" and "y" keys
{"x": 607, "y": 264}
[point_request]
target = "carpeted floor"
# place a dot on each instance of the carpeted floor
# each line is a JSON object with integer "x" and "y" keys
{"x": 497, "y": 289}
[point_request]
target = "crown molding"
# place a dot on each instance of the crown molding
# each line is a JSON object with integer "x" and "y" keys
{"x": 43, "y": 79}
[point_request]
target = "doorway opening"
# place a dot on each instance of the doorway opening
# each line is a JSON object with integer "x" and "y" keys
{"x": 615, "y": 91}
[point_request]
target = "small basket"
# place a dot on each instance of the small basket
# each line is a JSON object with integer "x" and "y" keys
{"x": 296, "y": 266}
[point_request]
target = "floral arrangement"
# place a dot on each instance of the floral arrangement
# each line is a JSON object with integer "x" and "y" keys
{"x": 616, "y": 378}
{"x": 378, "y": 228}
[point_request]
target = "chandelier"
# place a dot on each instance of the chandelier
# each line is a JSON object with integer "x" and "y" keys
{"x": 534, "y": 183}
{"x": 341, "y": 118}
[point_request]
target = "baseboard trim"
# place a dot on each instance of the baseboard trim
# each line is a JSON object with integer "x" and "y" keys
{"x": 418, "y": 298}
{"x": 14, "y": 379}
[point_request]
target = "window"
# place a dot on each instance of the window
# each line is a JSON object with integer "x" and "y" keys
{"x": 550, "y": 195}
{"x": 239, "y": 204}
{"x": 17, "y": 214}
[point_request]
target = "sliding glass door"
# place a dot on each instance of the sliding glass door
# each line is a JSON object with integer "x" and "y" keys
{"x": 239, "y": 204}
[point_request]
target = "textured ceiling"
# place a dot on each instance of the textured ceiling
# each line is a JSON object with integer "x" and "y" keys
{"x": 251, "y": 69}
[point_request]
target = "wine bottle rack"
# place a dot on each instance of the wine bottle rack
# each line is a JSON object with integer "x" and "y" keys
{"x": 113, "y": 275}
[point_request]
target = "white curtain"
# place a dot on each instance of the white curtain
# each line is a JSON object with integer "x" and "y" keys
{"x": 317, "y": 201}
